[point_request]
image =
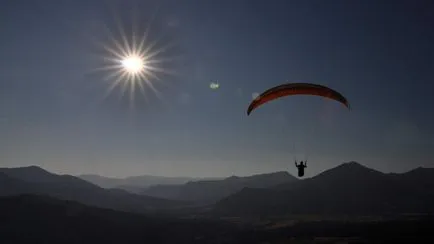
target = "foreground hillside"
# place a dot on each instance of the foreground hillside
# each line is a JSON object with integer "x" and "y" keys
{"x": 38, "y": 219}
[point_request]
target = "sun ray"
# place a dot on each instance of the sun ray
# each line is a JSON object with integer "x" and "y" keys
{"x": 134, "y": 28}
{"x": 132, "y": 89}
{"x": 146, "y": 32}
{"x": 108, "y": 68}
{"x": 161, "y": 70}
{"x": 161, "y": 60}
{"x": 153, "y": 89}
{"x": 112, "y": 86}
{"x": 110, "y": 76}
{"x": 124, "y": 85}
{"x": 126, "y": 44}
{"x": 114, "y": 41}
{"x": 114, "y": 52}
{"x": 142, "y": 88}
{"x": 151, "y": 54}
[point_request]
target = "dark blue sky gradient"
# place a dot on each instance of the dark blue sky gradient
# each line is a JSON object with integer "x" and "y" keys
{"x": 379, "y": 54}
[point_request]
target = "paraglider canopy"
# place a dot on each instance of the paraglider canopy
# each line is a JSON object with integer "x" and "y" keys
{"x": 296, "y": 89}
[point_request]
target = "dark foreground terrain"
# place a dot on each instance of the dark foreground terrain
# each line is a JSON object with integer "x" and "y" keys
{"x": 39, "y": 219}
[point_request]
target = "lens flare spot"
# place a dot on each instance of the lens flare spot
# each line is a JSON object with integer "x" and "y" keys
{"x": 214, "y": 85}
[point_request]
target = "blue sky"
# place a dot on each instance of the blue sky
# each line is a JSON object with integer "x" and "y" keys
{"x": 379, "y": 55}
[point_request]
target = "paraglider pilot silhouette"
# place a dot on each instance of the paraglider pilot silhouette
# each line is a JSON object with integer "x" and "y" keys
{"x": 301, "y": 167}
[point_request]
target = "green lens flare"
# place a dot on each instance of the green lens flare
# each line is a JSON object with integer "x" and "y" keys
{"x": 214, "y": 85}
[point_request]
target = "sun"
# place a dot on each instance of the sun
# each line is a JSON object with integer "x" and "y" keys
{"x": 134, "y": 60}
{"x": 133, "y": 64}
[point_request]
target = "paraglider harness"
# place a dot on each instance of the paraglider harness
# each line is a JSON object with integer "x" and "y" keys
{"x": 301, "y": 167}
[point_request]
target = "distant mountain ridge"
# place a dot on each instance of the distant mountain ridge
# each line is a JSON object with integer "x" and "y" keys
{"x": 349, "y": 188}
{"x": 136, "y": 183}
{"x": 210, "y": 191}
{"x": 35, "y": 180}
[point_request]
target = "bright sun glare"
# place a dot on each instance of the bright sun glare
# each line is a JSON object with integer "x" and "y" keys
{"x": 133, "y": 64}
{"x": 134, "y": 61}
